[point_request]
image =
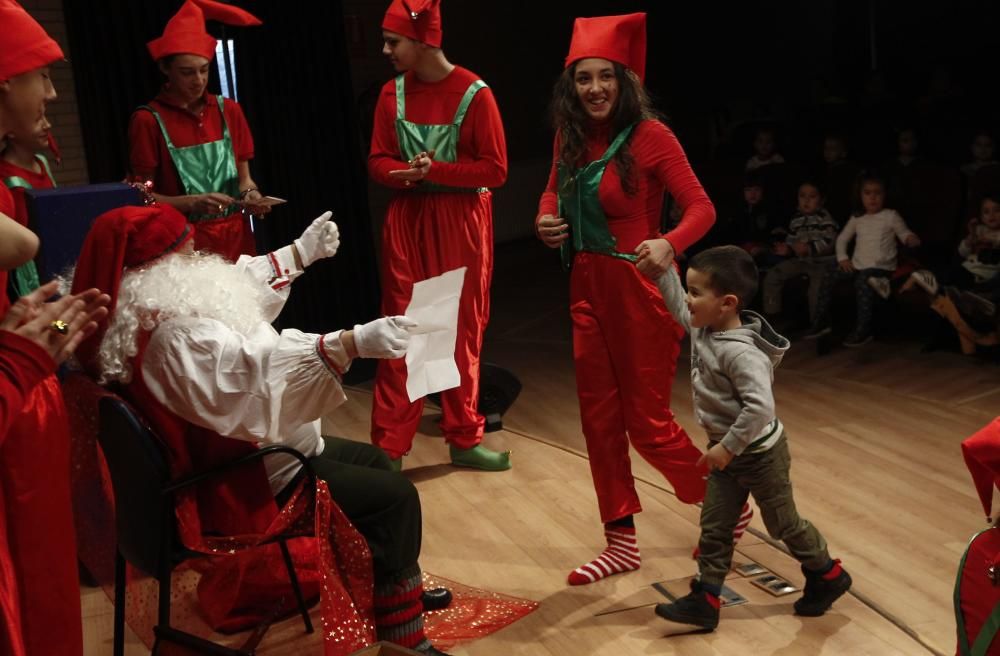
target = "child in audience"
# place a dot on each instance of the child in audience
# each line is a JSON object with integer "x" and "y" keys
{"x": 982, "y": 153}
{"x": 764, "y": 150}
{"x": 967, "y": 293}
{"x": 875, "y": 230}
{"x": 809, "y": 247}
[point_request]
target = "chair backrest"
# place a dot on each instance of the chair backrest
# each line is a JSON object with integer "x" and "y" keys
{"x": 144, "y": 517}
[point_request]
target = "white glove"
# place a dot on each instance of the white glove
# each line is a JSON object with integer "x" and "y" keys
{"x": 385, "y": 338}
{"x": 321, "y": 239}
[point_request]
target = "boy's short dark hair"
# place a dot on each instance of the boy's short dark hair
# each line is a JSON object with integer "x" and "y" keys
{"x": 730, "y": 270}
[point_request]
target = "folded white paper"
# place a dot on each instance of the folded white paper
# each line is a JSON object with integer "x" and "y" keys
{"x": 430, "y": 356}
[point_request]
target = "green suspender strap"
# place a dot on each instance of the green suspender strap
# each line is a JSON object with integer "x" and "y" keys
{"x": 416, "y": 138}
{"x": 205, "y": 168}
{"x": 580, "y": 205}
{"x": 990, "y": 627}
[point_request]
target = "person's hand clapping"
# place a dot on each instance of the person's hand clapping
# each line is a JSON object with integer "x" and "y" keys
{"x": 59, "y": 326}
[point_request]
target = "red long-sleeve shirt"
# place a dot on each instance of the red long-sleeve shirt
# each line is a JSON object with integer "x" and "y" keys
{"x": 37, "y": 180}
{"x": 482, "y": 148}
{"x": 148, "y": 151}
{"x": 660, "y": 165}
{"x": 23, "y": 364}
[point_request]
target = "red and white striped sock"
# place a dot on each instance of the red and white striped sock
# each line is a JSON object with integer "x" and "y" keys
{"x": 746, "y": 516}
{"x": 741, "y": 526}
{"x": 622, "y": 555}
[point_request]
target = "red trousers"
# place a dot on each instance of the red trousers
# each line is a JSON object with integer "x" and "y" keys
{"x": 35, "y": 474}
{"x": 229, "y": 236}
{"x": 425, "y": 235}
{"x": 625, "y": 346}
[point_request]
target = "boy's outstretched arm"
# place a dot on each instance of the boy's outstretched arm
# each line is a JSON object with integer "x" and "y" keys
{"x": 673, "y": 296}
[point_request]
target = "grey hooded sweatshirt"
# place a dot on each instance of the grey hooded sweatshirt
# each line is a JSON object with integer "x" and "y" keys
{"x": 731, "y": 375}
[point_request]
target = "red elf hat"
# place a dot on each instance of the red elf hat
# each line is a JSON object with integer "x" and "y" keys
{"x": 185, "y": 33}
{"x": 620, "y": 39}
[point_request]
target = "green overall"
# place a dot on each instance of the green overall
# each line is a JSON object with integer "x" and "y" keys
{"x": 25, "y": 277}
{"x": 580, "y": 206}
{"x": 415, "y": 138}
{"x": 205, "y": 168}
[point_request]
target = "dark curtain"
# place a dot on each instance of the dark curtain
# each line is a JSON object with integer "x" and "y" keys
{"x": 295, "y": 89}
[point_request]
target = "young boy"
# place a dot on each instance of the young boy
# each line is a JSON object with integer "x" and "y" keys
{"x": 733, "y": 356}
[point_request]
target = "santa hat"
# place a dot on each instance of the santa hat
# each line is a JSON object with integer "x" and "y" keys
{"x": 185, "y": 32}
{"x": 621, "y": 39}
{"x": 26, "y": 46}
{"x": 120, "y": 239}
{"x": 417, "y": 19}
{"x": 982, "y": 457}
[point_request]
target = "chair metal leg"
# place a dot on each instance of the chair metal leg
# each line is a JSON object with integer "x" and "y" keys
{"x": 295, "y": 585}
{"x": 163, "y": 607}
{"x": 119, "y": 630}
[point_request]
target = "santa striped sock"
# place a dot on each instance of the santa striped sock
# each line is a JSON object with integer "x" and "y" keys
{"x": 399, "y": 611}
{"x": 622, "y": 555}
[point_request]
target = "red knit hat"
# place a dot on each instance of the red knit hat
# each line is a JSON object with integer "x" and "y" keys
{"x": 982, "y": 457}
{"x": 621, "y": 39}
{"x": 185, "y": 32}
{"x": 417, "y": 19}
{"x": 26, "y": 46}
{"x": 119, "y": 239}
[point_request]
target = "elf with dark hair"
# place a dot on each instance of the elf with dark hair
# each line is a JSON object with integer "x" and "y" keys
{"x": 613, "y": 161}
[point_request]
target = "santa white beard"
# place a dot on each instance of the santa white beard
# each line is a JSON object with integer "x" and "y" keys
{"x": 199, "y": 285}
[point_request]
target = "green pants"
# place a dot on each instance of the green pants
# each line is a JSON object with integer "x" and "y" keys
{"x": 765, "y": 476}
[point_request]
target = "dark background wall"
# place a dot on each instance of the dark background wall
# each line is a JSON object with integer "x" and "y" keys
{"x": 309, "y": 75}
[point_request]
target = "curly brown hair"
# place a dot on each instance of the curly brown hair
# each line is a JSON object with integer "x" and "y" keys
{"x": 570, "y": 120}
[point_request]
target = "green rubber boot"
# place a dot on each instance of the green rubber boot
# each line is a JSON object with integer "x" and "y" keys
{"x": 479, "y": 457}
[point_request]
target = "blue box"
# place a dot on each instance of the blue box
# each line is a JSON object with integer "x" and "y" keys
{"x": 61, "y": 218}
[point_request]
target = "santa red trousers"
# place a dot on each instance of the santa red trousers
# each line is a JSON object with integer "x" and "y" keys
{"x": 625, "y": 347}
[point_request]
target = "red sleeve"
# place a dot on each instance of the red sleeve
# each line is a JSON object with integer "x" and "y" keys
{"x": 659, "y": 150}
{"x": 23, "y": 364}
{"x": 143, "y": 142}
{"x": 488, "y": 167}
{"x": 549, "y": 202}
{"x": 240, "y": 131}
{"x": 20, "y": 206}
{"x": 384, "y": 155}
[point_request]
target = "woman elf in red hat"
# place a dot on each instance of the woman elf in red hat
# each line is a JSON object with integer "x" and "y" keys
{"x": 195, "y": 147}
{"x": 438, "y": 141}
{"x": 613, "y": 160}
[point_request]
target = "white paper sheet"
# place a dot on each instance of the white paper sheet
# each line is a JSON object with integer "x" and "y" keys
{"x": 430, "y": 357}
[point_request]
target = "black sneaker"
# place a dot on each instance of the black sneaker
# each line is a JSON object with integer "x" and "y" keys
{"x": 694, "y": 609}
{"x": 854, "y": 340}
{"x": 820, "y": 593}
{"x": 816, "y": 333}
